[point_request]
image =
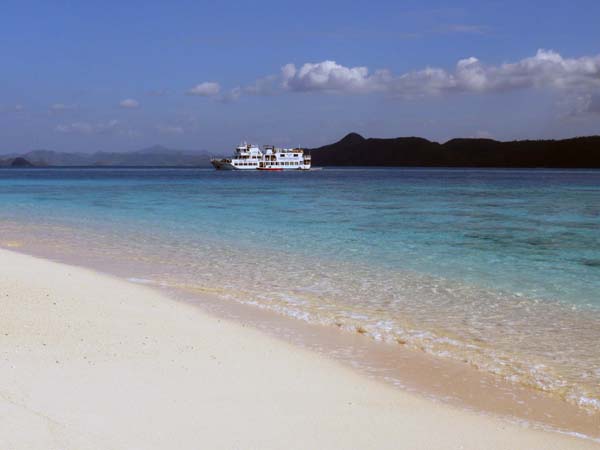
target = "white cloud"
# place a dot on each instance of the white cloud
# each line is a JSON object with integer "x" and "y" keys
{"x": 129, "y": 103}
{"x": 231, "y": 96}
{"x": 268, "y": 85}
{"x": 89, "y": 128}
{"x": 547, "y": 69}
{"x": 206, "y": 89}
{"x": 333, "y": 77}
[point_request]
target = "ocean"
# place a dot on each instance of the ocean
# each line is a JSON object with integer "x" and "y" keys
{"x": 496, "y": 268}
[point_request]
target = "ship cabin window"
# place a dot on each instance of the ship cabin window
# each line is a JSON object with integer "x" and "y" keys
{"x": 295, "y": 154}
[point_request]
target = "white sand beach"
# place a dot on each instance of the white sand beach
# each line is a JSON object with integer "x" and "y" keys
{"x": 89, "y": 361}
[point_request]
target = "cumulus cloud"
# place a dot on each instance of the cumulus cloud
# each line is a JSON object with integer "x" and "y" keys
{"x": 268, "y": 85}
{"x": 129, "y": 103}
{"x": 546, "y": 69}
{"x": 89, "y": 128}
{"x": 333, "y": 77}
{"x": 232, "y": 95}
{"x": 206, "y": 89}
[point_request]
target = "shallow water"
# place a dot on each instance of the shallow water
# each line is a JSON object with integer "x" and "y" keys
{"x": 498, "y": 268}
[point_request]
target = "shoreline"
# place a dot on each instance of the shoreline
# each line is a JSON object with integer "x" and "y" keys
{"x": 93, "y": 361}
{"x": 449, "y": 381}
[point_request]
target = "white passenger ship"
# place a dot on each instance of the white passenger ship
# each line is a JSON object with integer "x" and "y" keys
{"x": 251, "y": 157}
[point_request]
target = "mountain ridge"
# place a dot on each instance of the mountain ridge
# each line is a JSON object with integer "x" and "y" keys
{"x": 156, "y": 155}
{"x": 355, "y": 150}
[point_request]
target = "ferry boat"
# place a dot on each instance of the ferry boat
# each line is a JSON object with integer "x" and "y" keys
{"x": 270, "y": 158}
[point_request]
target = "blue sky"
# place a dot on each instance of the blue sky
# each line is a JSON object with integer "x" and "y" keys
{"x": 87, "y": 76}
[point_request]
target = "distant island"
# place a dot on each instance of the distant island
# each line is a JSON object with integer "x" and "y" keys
{"x": 355, "y": 150}
{"x": 156, "y": 156}
{"x": 16, "y": 162}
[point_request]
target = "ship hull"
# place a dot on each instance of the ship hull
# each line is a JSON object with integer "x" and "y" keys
{"x": 220, "y": 164}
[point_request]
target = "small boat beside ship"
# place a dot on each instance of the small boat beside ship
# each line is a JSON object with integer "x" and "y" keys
{"x": 270, "y": 158}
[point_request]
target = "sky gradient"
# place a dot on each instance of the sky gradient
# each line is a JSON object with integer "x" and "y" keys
{"x": 88, "y": 76}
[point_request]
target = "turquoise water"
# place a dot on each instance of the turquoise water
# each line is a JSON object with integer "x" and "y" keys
{"x": 499, "y": 268}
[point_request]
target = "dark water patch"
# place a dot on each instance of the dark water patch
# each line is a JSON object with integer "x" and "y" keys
{"x": 590, "y": 262}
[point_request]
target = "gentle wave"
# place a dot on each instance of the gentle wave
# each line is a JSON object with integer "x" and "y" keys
{"x": 565, "y": 369}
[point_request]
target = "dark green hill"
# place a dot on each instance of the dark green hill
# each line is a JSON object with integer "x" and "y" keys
{"x": 354, "y": 150}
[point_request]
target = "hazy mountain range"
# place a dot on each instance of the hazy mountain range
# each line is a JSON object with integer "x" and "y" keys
{"x": 355, "y": 150}
{"x": 151, "y": 156}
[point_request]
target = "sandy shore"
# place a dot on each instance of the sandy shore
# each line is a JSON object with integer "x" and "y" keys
{"x": 88, "y": 361}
